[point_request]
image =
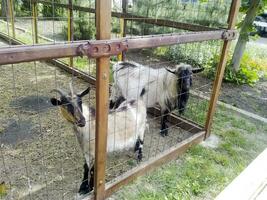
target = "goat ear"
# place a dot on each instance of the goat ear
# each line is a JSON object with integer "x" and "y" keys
{"x": 85, "y": 92}
{"x": 197, "y": 70}
{"x": 55, "y": 102}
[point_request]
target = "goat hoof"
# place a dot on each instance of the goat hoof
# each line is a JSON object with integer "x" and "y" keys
{"x": 164, "y": 132}
{"x": 85, "y": 188}
{"x": 139, "y": 157}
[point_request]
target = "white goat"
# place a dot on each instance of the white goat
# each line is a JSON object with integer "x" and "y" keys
{"x": 163, "y": 86}
{"x": 126, "y": 127}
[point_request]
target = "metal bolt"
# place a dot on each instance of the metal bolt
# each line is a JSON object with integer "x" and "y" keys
{"x": 100, "y": 182}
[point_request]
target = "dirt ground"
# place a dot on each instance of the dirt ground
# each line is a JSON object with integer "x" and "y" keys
{"x": 40, "y": 157}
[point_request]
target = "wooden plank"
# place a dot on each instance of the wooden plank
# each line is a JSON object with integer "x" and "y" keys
{"x": 151, "y": 164}
{"x": 103, "y": 27}
{"x": 131, "y": 17}
{"x": 74, "y": 71}
{"x": 180, "y": 121}
{"x": 221, "y": 68}
{"x": 250, "y": 184}
{"x": 11, "y": 55}
{"x": 10, "y": 40}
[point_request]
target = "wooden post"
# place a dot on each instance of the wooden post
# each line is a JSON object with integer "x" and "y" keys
{"x": 34, "y": 20}
{"x": 123, "y": 26}
{"x": 70, "y": 28}
{"x": 103, "y": 30}
{"x": 221, "y": 68}
{"x": 11, "y": 16}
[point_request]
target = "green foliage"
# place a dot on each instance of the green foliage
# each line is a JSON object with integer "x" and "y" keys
{"x": 245, "y": 4}
{"x": 52, "y": 11}
{"x": 250, "y": 70}
{"x": 196, "y": 54}
{"x": 22, "y": 8}
{"x": 202, "y": 172}
{"x": 83, "y": 29}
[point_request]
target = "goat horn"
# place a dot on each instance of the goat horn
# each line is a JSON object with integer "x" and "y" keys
{"x": 197, "y": 70}
{"x": 71, "y": 89}
{"x": 61, "y": 92}
{"x": 173, "y": 72}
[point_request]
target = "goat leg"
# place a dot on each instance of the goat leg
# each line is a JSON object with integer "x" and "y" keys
{"x": 91, "y": 182}
{"x": 164, "y": 126}
{"x": 84, "y": 187}
{"x": 139, "y": 148}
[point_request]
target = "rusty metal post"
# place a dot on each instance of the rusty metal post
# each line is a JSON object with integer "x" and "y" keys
{"x": 11, "y": 16}
{"x": 103, "y": 31}
{"x": 221, "y": 68}
{"x": 70, "y": 28}
{"x": 34, "y": 20}
{"x": 123, "y": 28}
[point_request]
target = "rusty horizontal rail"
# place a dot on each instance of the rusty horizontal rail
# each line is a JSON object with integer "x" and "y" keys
{"x": 131, "y": 17}
{"x": 27, "y": 53}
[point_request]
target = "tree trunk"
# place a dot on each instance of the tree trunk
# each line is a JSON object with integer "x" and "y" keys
{"x": 244, "y": 33}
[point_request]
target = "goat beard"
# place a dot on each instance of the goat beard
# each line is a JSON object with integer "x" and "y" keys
{"x": 67, "y": 115}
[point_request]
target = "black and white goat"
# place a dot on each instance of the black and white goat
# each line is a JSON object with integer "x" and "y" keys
{"x": 166, "y": 87}
{"x": 124, "y": 133}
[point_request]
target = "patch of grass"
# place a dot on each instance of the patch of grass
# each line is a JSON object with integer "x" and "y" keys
{"x": 196, "y": 110}
{"x": 201, "y": 173}
{"x": 81, "y": 63}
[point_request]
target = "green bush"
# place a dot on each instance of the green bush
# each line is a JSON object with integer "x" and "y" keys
{"x": 83, "y": 29}
{"x": 52, "y": 11}
{"x": 249, "y": 73}
{"x": 22, "y": 8}
{"x": 196, "y": 54}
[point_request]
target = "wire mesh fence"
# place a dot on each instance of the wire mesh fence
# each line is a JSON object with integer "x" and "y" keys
{"x": 41, "y": 154}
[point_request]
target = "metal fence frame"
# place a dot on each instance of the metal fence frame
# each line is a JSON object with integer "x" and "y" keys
{"x": 25, "y": 53}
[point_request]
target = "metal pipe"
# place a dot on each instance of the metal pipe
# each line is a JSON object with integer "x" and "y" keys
{"x": 43, "y": 52}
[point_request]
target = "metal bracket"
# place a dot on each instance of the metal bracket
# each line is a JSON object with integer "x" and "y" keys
{"x": 229, "y": 35}
{"x": 101, "y": 49}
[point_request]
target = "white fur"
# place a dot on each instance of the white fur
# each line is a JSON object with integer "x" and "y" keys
{"x": 160, "y": 85}
{"x": 124, "y": 128}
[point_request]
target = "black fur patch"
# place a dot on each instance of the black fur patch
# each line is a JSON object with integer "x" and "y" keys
{"x": 182, "y": 100}
{"x": 92, "y": 111}
{"x": 117, "y": 103}
{"x": 85, "y": 187}
{"x": 128, "y": 64}
{"x": 125, "y": 65}
{"x": 164, "y": 127}
{"x": 139, "y": 149}
{"x": 132, "y": 102}
{"x": 143, "y": 92}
